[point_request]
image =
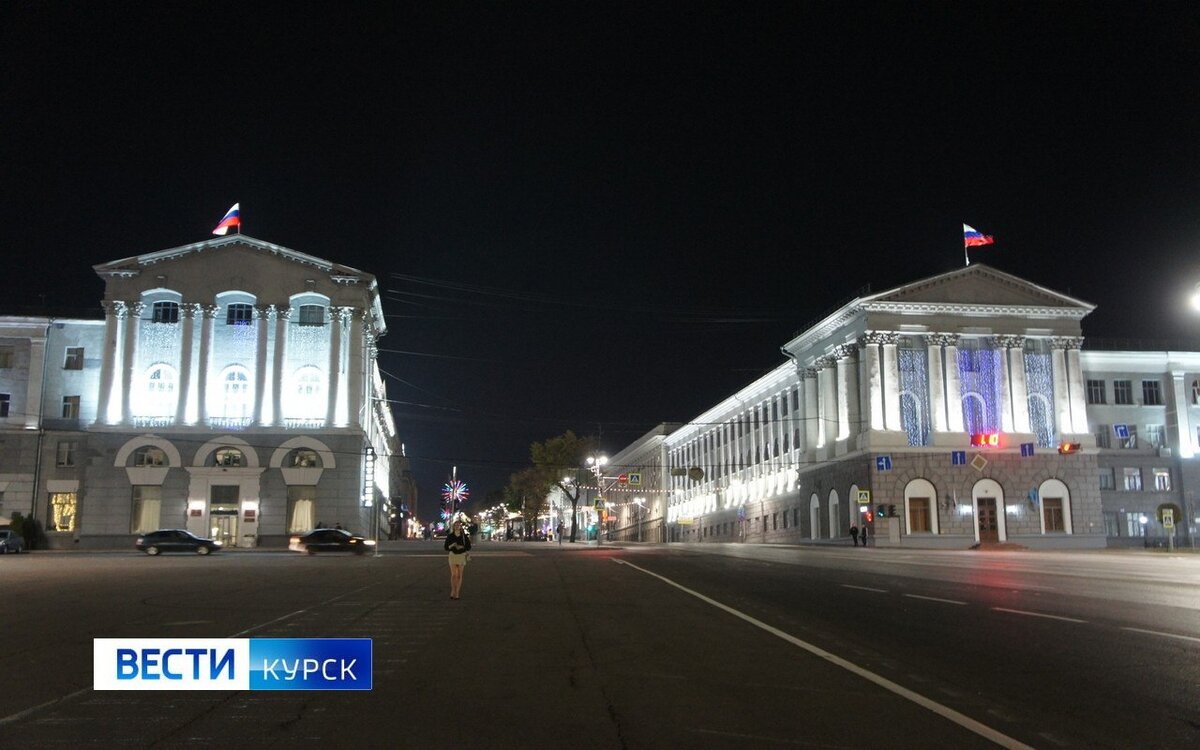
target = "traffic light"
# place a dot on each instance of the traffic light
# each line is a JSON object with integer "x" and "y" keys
{"x": 881, "y": 511}
{"x": 869, "y": 516}
{"x": 892, "y": 511}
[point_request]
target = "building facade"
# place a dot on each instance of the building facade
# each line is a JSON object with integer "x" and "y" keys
{"x": 954, "y": 411}
{"x": 230, "y": 389}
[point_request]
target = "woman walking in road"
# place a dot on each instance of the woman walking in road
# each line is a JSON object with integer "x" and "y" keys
{"x": 458, "y": 543}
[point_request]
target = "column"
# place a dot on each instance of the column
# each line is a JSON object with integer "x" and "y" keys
{"x": 954, "y": 412}
{"x": 1062, "y": 399}
{"x": 1183, "y": 422}
{"x": 1079, "y": 420}
{"x": 113, "y": 312}
{"x": 891, "y": 383}
{"x": 812, "y": 416}
{"x": 827, "y": 382}
{"x": 187, "y": 316}
{"x": 844, "y": 391}
{"x": 33, "y": 388}
{"x": 262, "y": 321}
{"x": 1020, "y": 390}
{"x": 1006, "y": 403}
{"x": 133, "y": 328}
{"x": 359, "y": 411}
{"x": 206, "y": 344}
{"x": 336, "y": 322}
{"x": 934, "y": 345}
{"x": 283, "y": 314}
{"x": 870, "y": 347}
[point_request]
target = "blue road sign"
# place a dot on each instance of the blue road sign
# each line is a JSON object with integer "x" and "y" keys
{"x": 883, "y": 463}
{"x": 1121, "y": 431}
{"x": 1026, "y": 449}
{"x": 958, "y": 458}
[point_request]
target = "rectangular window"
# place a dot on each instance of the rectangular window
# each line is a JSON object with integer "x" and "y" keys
{"x": 239, "y": 315}
{"x": 1110, "y": 524}
{"x": 1156, "y": 436}
{"x": 1052, "y": 513}
{"x": 774, "y": 521}
{"x": 4, "y": 399}
{"x": 796, "y": 517}
{"x": 1123, "y": 392}
{"x": 165, "y": 312}
{"x": 1162, "y": 479}
{"x": 1133, "y": 479}
{"x": 1104, "y": 436}
{"x": 1106, "y": 480}
{"x": 1131, "y": 441}
{"x": 1133, "y": 525}
{"x": 1151, "y": 393}
{"x": 70, "y": 407}
{"x": 150, "y": 457}
{"x": 1095, "y": 392}
{"x": 66, "y": 453}
{"x": 74, "y": 360}
{"x": 302, "y": 508}
{"x": 918, "y": 514}
{"x": 147, "y": 508}
{"x": 60, "y": 515}
{"x": 785, "y": 519}
{"x": 312, "y": 315}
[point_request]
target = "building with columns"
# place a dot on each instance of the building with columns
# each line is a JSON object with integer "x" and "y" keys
{"x": 231, "y": 389}
{"x": 957, "y": 405}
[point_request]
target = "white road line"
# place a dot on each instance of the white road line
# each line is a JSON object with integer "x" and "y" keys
{"x": 1037, "y": 614}
{"x": 934, "y": 599}
{"x": 863, "y": 588}
{"x": 1165, "y": 635}
{"x": 944, "y": 711}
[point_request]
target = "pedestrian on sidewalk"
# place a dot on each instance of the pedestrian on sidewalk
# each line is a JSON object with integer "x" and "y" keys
{"x": 863, "y": 533}
{"x": 854, "y": 534}
{"x": 458, "y": 544}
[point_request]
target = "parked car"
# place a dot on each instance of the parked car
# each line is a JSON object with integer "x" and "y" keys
{"x": 11, "y": 541}
{"x": 175, "y": 540}
{"x": 330, "y": 540}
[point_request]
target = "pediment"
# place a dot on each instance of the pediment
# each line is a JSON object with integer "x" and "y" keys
{"x": 238, "y": 244}
{"x": 978, "y": 285}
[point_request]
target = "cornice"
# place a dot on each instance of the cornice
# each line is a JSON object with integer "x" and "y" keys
{"x": 975, "y": 311}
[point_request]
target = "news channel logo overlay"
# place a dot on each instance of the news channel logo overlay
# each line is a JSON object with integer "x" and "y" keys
{"x": 231, "y": 663}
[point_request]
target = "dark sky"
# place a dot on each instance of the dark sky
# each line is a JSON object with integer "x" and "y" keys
{"x": 600, "y": 216}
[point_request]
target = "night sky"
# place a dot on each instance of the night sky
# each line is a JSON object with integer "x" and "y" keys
{"x": 598, "y": 216}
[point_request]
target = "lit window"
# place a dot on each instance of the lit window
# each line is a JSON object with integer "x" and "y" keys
{"x": 302, "y": 502}
{"x": 305, "y": 459}
{"x": 74, "y": 360}
{"x": 228, "y": 457}
{"x": 160, "y": 388}
{"x": 70, "y": 407}
{"x": 310, "y": 392}
{"x": 61, "y": 515}
{"x": 1052, "y": 513}
{"x": 1156, "y": 435}
{"x": 239, "y": 315}
{"x": 918, "y": 514}
{"x": 1162, "y": 480}
{"x": 165, "y": 312}
{"x": 150, "y": 457}
{"x": 312, "y": 315}
{"x": 1133, "y": 479}
{"x": 236, "y": 388}
{"x": 147, "y": 508}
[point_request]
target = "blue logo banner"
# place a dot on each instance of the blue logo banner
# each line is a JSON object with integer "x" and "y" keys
{"x": 310, "y": 664}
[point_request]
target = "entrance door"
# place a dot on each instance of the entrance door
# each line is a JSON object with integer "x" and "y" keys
{"x": 988, "y": 530}
{"x": 223, "y": 514}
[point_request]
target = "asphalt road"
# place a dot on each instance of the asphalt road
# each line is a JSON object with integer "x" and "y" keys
{"x": 722, "y": 646}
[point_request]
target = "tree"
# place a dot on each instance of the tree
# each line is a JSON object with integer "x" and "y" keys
{"x": 558, "y": 461}
{"x": 527, "y": 494}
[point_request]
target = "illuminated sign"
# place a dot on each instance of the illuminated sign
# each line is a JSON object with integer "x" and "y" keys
{"x": 985, "y": 439}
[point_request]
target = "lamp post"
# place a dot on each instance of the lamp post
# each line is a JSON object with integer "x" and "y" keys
{"x": 595, "y": 464}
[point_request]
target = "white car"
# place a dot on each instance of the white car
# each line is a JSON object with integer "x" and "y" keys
{"x": 11, "y": 541}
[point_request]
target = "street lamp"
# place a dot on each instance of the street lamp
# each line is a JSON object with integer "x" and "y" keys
{"x": 595, "y": 464}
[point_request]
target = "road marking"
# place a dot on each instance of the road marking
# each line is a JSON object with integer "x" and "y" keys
{"x": 762, "y": 738}
{"x": 944, "y": 711}
{"x": 186, "y": 622}
{"x": 863, "y": 588}
{"x": 1037, "y": 614}
{"x": 1165, "y": 635}
{"x": 934, "y": 599}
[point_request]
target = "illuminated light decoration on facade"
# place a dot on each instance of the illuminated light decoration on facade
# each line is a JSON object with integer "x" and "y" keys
{"x": 979, "y": 380}
{"x": 1039, "y": 383}
{"x": 368, "y": 495}
{"x": 914, "y": 394}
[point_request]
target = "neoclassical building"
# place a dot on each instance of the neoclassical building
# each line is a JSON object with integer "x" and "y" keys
{"x": 949, "y": 412}
{"x": 231, "y": 389}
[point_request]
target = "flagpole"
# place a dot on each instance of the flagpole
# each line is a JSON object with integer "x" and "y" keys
{"x": 966, "y": 252}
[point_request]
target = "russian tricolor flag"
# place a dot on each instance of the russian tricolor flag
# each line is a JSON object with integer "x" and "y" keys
{"x": 231, "y": 219}
{"x": 971, "y": 237}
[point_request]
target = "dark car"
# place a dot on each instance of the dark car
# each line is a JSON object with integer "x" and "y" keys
{"x": 175, "y": 540}
{"x": 330, "y": 540}
{"x": 11, "y": 541}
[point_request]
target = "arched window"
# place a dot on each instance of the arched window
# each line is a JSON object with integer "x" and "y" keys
{"x": 814, "y": 516}
{"x": 239, "y": 314}
{"x": 304, "y": 458}
{"x": 165, "y": 312}
{"x": 149, "y": 456}
{"x": 228, "y": 457}
{"x": 235, "y": 384}
{"x": 160, "y": 390}
{"x": 309, "y": 393}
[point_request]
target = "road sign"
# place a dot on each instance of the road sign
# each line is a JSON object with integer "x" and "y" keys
{"x": 623, "y": 479}
{"x": 635, "y": 479}
{"x": 883, "y": 463}
{"x": 1121, "y": 431}
{"x": 958, "y": 458}
{"x": 978, "y": 462}
{"x": 599, "y": 503}
{"x": 1168, "y": 519}
{"x": 864, "y": 497}
{"x": 1027, "y": 449}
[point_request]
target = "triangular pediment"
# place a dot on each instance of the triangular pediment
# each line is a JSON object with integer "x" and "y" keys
{"x": 977, "y": 284}
{"x": 134, "y": 264}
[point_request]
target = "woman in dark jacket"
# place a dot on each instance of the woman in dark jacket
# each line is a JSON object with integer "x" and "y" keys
{"x": 458, "y": 544}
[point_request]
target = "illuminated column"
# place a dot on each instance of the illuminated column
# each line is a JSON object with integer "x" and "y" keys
{"x": 33, "y": 387}
{"x": 891, "y": 383}
{"x": 282, "y": 315}
{"x": 133, "y": 327}
{"x": 1075, "y": 382}
{"x": 206, "y": 343}
{"x": 114, "y": 313}
{"x": 1006, "y": 406}
{"x": 934, "y": 347}
{"x": 812, "y": 417}
{"x": 954, "y": 410}
{"x": 358, "y": 414}
{"x": 1062, "y": 399}
{"x": 1020, "y": 389}
{"x": 870, "y": 346}
{"x": 827, "y": 382}
{"x": 337, "y": 320}
{"x": 262, "y": 317}
{"x": 187, "y": 315}
{"x": 1183, "y": 421}
{"x": 844, "y": 391}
